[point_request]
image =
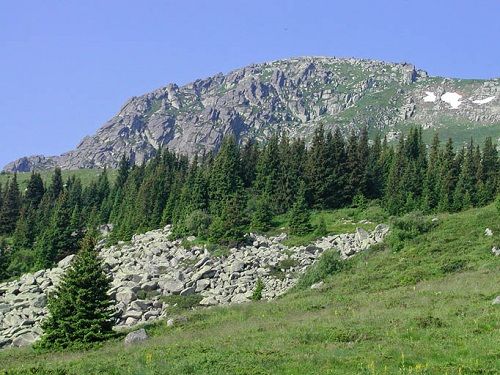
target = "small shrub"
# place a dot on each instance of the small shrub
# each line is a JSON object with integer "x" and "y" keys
{"x": 407, "y": 228}
{"x": 328, "y": 264}
{"x": 218, "y": 250}
{"x": 278, "y": 271}
{"x": 359, "y": 201}
{"x": 453, "y": 266}
{"x": 321, "y": 228}
{"x": 142, "y": 294}
{"x": 259, "y": 287}
{"x": 178, "y": 302}
{"x": 429, "y": 321}
{"x": 197, "y": 223}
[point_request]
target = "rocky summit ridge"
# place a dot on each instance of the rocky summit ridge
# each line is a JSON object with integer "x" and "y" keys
{"x": 152, "y": 267}
{"x": 293, "y": 96}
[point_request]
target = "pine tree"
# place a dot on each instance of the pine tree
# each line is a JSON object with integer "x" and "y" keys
{"x": 123, "y": 171}
{"x": 34, "y": 190}
{"x": 57, "y": 186}
{"x": 228, "y": 227}
{"x": 300, "y": 218}
{"x": 58, "y": 239}
{"x": 262, "y": 216}
{"x": 80, "y": 309}
{"x": 225, "y": 175}
{"x": 10, "y": 208}
{"x": 4, "y": 261}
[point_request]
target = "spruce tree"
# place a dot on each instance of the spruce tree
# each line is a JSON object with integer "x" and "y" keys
{"x": 300, "y": 218}
{"x": 10, "y": 208}
{"x": 80, "y": 309}
{"x": 262, "y": 216}
{"x": 34, "y": 190}
{"x": 58, "y": 239}
{"x": 4, "y": 261}
{"x": 227, "y": 228}
{"x": 57, "y": 186}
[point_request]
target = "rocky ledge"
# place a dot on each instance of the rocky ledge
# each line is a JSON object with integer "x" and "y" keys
{"x": 151, "y": 267}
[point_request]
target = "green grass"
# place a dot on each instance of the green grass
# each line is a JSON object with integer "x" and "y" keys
{"x": 344, "y": 220}
{"x": 382, "y": 312}
{"x": 85, "y": 175}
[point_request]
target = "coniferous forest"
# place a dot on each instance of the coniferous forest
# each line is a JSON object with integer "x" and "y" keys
{"x": 220, "y": 196}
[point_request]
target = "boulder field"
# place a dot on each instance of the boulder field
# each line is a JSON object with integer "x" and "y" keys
{"x": 153, "y": 266}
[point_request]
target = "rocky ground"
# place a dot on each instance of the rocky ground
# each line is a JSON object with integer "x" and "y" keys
{"x": 151, "y": 266}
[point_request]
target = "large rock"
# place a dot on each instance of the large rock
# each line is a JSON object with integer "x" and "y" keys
{"x": 171, "y": 286}
{"x": 125, "y": 295}
{"x": 24, "y": 340}
{"x": 136, "y": 337}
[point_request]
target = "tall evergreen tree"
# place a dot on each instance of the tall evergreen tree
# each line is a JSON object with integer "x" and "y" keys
{"x": 300, "y": 218}
{"x": 57, "y": 186}
{"x": 58, "y": 238}
{"x": 34, "y": 190}
{"x": 80, "y": 309}
{"x": 10, "y": 208}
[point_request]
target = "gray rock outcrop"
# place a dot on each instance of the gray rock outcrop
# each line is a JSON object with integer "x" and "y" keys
{"x": 294, "y": 96}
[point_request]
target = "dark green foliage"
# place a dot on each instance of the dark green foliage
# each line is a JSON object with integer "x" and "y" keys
{"x": 257, "y": 293}
{"x": 34, "y": 191}
{"x": 80, "y": 309}
{"x": 262, "y": 216}
{"x": 57, "y": 185}
{"x": 58, "y": 239}
{"x": 11, "y": 206}
{"x": 4, "y": 260}
{"x": 228, "y": 227}
{"x": 300, "y": 217}
{"x": 218, "y": 197}
{"x": 328, "y": 264}
{"x": 321, "y": 229}
{"x": 408, "y": 227}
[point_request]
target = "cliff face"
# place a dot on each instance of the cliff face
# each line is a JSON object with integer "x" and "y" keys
{"x": 293, "y": 95}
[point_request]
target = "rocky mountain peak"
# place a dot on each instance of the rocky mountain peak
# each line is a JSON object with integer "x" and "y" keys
{"x": 293, "y": 95}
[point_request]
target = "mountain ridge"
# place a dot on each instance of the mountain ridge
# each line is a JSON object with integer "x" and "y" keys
{"x": 290, "y": 95}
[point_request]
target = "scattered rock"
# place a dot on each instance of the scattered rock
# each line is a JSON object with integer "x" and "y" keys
{"x": 496, "y": 251}
{"x": 488, "y": 232}
{"x": 317, "y": 285}
{"x": 136, "y": 337}
{"x": 152, "y": 265}
{"x": 496, "y": 301}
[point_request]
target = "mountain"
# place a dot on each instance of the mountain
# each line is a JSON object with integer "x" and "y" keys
{"x": 293, "y": 96}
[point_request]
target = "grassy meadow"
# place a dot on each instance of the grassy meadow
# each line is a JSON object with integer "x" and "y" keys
{"x": 419, "y": 304}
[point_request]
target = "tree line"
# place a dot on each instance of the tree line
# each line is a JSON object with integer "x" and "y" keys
{"x": 218, "y": 196}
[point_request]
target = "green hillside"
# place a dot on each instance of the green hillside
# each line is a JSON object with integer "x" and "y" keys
{"x": 421, "y": 305}
{"x": 85, "y": 175}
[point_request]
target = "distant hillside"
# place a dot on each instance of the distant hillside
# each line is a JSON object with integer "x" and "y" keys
{"x": 85, "y": 175}
{"x": 293, "y": 95}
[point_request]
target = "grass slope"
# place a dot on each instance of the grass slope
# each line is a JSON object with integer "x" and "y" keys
{"x": 425, "y": 309}
{"x": 85, "y": 175}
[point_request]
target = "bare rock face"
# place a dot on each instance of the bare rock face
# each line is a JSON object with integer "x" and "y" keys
{"x": 293, "y": 95}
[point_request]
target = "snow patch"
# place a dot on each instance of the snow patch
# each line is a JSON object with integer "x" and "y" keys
{"x": 484, "y": 101}
{"x": 452, "y": 98}
{"x": 431, "y": 97}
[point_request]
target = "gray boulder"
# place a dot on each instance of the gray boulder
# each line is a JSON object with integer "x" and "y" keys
{"x": 24, "y": 340}
{"x": 136, "y": 337}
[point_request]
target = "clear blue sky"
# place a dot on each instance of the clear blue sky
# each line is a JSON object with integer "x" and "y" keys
{"x": 67, "y": 66}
